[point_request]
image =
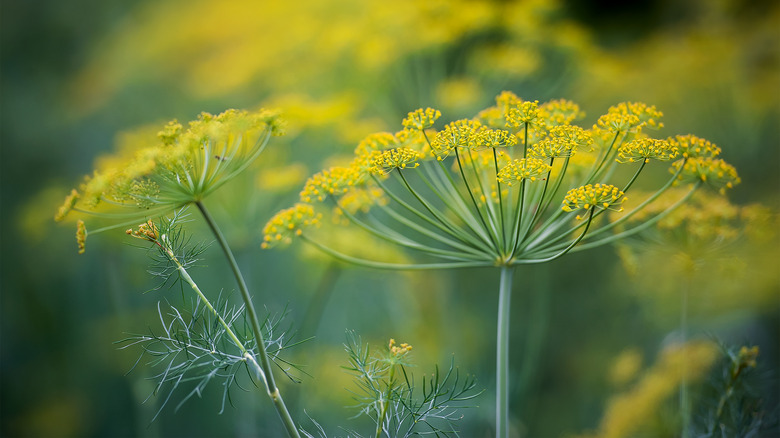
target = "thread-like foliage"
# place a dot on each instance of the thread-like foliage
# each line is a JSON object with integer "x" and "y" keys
{"x": 387, "y": 394}
{"x": 200, "y": 341}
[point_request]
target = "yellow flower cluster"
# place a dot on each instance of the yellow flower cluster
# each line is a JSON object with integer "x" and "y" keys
{"x": 399, "y": 158}
{"x": 629, "y": 117}
{"x": 458, "y": 134}
{"x": 691, "y": 146}
{"x": 487, "y": 169}
{"x": 399, "y": 350}
{"x": 746, "y": 358}
{"x": 495, "y": 116}
{"x": 513, "y": 112}
{"x": 421, "y": 119}
{"x": 706, "y": 216}
{"x": 361, "y": 199}
{"x": 287, "y": 223}
{"x": 497, "y": 138}
{"x": 524, "y": 168}
{"x": 146, "y": 231}
{"x": 644, "y": 149}
{"x": 376, "y": 142}
{"x": 523, "y": 114}
{"x": 181, "y": 166}
{"x": 711, "y": 171}
{"x": 560, "y": 112}
{"x": 67, "y": 206}
{"x": 562, "y": 141}
{"x": 81, "y": 236}
{"x": 333, "y": 181}
{"x": 593, "y": 195}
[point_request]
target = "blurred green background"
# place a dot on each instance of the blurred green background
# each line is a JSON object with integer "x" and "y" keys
{"x": 77, "y": 75}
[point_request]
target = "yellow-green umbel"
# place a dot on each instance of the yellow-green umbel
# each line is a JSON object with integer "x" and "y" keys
{"x": 180, "y": 168}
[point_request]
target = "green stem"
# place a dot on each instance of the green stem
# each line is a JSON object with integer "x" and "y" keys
{"x": 502, "y": 353}
{"x": 265, "y": 362}
{"x": 187, "y": 278}
{"x": 474, "y": 201}
{"x": 685, "y": 402}
{"x": 500, "y": 202}
{"x": 565, "y": 250}
{"x": 539, "y": 205}
{"x": 453, "y": 229}
{"x": 451, "y": 197}
{"x": 394, "y": 266}
{"x": 489, "y": 208}
{"x": 518, "y": 219}
{"x": 647, "y": 224}
{"x": 385, "y": 403}
{"x": 385, "y": 233}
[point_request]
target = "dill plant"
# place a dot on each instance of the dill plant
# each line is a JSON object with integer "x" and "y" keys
{"x": 517, "y": 184}
{"x": 181, "y": 169}
{"x": 388, "y": 394}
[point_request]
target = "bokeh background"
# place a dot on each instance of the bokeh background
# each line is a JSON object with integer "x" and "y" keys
{"x": 80, "y": 77}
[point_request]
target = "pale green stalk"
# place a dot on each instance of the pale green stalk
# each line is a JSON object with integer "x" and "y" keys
{"x": 685, "y": 401}
{"x": 188, "y": 279}
{"x": 502, "y": 353}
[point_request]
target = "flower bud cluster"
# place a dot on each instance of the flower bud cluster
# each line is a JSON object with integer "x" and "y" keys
{"x": 524, "y": 168}
{"x": 146, "y": 231}
{"x": 711, "y": 171}
{"x": 399, "y": 350}
{"x": 644, "y": 149}
{"x": 333, "y": 181}
{"x": 399, "y": 158}
{"x": 593, "y": 195}
{"x": 289, "y": 222}
{"x": 421, "y": 119}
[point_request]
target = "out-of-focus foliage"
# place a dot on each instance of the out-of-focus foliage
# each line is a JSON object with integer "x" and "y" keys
{"x": 721, "y": 255}
{"x": 76, "y": 73}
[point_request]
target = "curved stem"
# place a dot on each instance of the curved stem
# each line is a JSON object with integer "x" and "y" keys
{"x": 396, "y": 266}
{"x": 473, "y": 200}
{"x": 489, "y": 207}
{"x": 636, "y": 175}
{"x": 565, "y": 250}
{"x": 500, "y": 201}
{"x": 454, "y": 230}
{"x": 502, "y": 353}
{"x": 265, "y": 362}
{"x": 518, "y": 218}
{"x": 540, "y": 205}
{"x": 645, "y": 225}
{"x": 452, "y": 198}
{"x": 444, "y": 226}
{"x": 383, "y": 232}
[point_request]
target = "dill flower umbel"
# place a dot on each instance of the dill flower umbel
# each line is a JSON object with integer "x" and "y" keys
{"x": 517, "y": 184}
{"x": 183, "y": 166}
{"x": 484, "y": 191}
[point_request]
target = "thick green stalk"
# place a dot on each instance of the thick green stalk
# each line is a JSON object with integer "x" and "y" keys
{"x": 265, "y": 362}
{"x": 502, "y": 353}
